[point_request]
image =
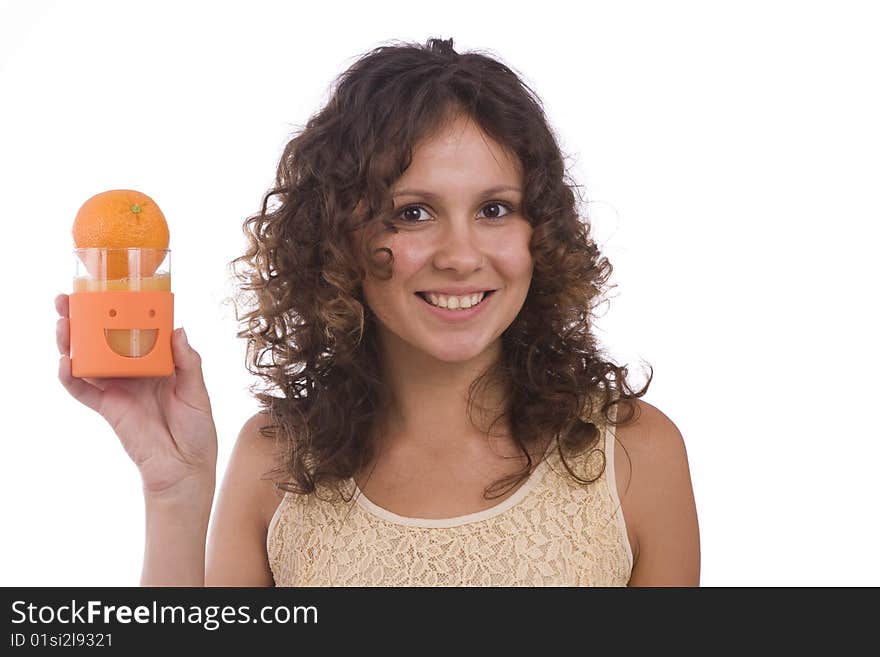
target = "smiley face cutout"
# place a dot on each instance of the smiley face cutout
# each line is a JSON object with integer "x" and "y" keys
{"x": 121, "y": 333}
{"x": 132, "y": 332}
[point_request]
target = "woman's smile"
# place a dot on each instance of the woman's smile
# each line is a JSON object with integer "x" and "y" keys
{"x": 456, "y": 315}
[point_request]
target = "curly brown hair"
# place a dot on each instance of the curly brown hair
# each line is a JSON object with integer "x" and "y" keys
{"x": 305, "y": 269}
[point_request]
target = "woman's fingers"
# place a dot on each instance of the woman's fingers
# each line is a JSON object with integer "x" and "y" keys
{"x": 62, "y": 339}
{"x": 62, "y": 336}
{"x": 81, "y": 389}
{"x": 62, "y": 305}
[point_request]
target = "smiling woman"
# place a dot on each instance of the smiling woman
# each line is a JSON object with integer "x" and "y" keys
{"x": 438, "y": 360}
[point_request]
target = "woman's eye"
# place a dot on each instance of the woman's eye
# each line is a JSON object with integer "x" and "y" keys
{"x": 412, "y": 209}
{"x": 496, "y": 204}
{"x": 410, "y": 212}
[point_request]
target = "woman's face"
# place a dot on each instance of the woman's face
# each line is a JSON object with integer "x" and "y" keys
{"x": 454, "y": 233}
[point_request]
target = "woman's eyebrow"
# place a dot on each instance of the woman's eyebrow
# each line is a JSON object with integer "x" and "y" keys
{"x": 431, "y": 195}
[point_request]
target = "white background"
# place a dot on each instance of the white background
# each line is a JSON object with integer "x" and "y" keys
{"x": 730, "y": 155}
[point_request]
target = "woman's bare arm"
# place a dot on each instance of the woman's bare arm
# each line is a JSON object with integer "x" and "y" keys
{"x": 664, "y": 508}
{"x": 236, "y": 553}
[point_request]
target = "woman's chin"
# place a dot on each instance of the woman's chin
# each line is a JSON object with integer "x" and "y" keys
{"x": 451, "y": 353}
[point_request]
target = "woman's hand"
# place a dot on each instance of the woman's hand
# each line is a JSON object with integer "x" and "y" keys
{"x": 164, "y": 423}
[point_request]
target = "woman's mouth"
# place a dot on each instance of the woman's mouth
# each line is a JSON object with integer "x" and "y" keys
{"x": 455, "y": 303}
{"x": 455, "y": 314}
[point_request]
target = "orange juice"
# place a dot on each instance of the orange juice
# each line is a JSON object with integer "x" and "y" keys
{"x": 133, "y": 342}
{"x": 89, "y": 284}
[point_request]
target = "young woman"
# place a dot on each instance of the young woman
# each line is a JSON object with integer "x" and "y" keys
{"x": 439, "y": 410}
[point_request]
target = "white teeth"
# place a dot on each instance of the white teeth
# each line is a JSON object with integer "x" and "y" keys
{"x": 454, "y": 303}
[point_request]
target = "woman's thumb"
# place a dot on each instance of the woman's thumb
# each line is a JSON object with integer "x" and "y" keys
{"x": 188, "y": 368}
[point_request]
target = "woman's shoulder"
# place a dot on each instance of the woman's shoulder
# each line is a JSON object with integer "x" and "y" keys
{"x": 244, "y": 503}
{"x": 646, "y": 429}
{"x": 258, "y": 457}
{"x": 652, "y": 445}
{"x": 659, "y": 500}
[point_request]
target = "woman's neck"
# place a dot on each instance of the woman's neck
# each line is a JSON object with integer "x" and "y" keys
{"x": 427, "y": 403}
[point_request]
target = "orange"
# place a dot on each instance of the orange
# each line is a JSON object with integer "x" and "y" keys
{"x": 121, "y": 219}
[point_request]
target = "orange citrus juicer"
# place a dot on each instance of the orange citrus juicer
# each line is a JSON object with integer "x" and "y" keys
{"x": 122, "y": 307}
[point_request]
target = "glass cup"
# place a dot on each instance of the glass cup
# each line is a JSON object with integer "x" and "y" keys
{"x": 121, "y": 312}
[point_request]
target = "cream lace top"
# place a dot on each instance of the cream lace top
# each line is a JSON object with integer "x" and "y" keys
{"x": 553, "y": 531}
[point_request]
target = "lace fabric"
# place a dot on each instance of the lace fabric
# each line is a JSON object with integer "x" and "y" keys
{"x": 553, "y": 531}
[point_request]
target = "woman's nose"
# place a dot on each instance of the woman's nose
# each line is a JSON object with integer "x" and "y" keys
{"x": 459, "y": 248}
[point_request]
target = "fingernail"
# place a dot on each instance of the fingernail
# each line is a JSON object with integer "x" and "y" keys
{"x": 183, "y": 335}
